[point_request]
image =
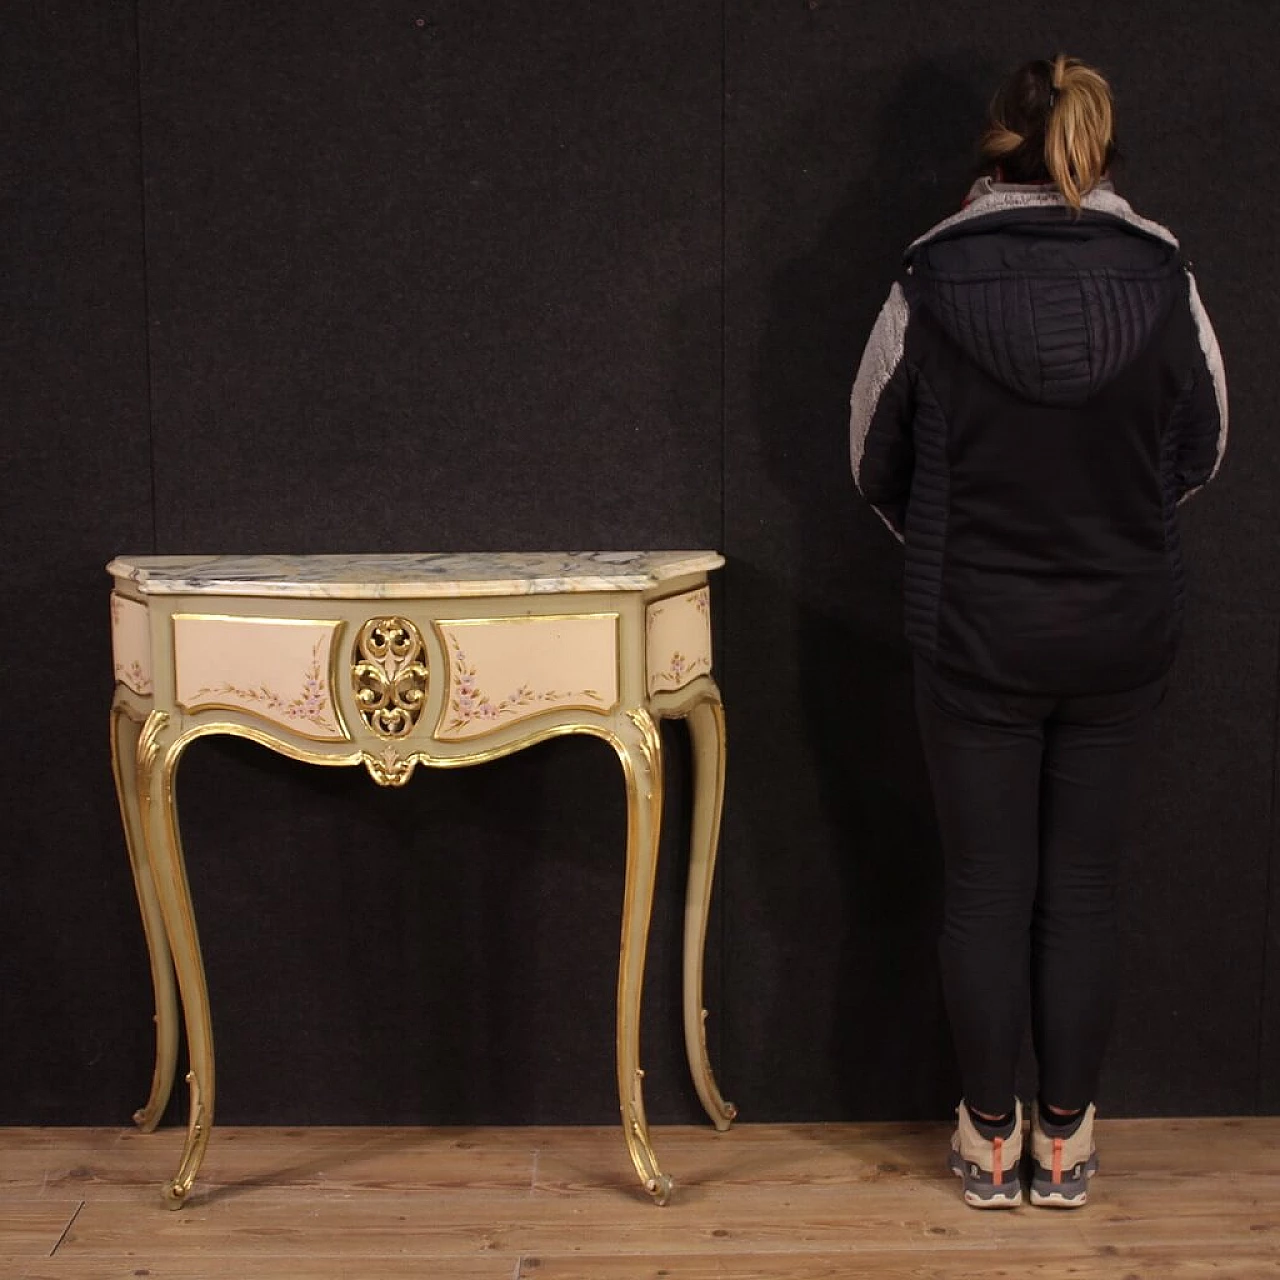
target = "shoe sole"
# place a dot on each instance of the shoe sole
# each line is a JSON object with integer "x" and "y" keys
{"x": 1073, "y": 1195}
{"x": 978, "y": 1195}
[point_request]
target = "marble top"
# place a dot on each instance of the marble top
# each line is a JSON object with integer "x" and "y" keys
{"x": 388, "y": 577}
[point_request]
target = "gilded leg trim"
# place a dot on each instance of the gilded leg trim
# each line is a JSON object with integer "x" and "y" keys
{"x": 706, "y": 730}
{"x": 126, "y": 752}
{"x": 641, "y": 755}
{"x": 160, "y": 753}
{"x": 198, "y": 1126}
{"x": 655, "y": 1182}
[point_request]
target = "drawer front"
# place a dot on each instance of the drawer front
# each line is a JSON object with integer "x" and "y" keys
{"x": 678, "y": 640}
{"x": 503, "y": 670}
{"x": 278, "y": 669}
{"x": 131, "y": 644}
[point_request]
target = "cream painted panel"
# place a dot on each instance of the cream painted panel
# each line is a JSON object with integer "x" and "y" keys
{"x": 506, "y": 669}
{"x": 678, "y": 631}
{"x": 131, "y": 643}
{"x": 275, "y": 668}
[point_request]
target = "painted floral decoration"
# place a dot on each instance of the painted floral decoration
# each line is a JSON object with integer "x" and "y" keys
{"x": 679, "y": 668}
{"x": 134, "y": 676}
{"x": 310, "y": 706}
{"x": 469, "y": 703}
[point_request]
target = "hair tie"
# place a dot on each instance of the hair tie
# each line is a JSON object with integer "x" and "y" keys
{"x": 1049, "y": 72}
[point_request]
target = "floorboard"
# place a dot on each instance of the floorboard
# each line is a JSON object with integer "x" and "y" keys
{"x": 1182, "y": 1199}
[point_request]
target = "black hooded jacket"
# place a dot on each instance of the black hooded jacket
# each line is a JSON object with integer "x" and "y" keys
{"x": 1039, "y": 393}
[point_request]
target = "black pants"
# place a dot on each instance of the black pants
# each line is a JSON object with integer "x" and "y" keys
{"x": 1032, "y": 795}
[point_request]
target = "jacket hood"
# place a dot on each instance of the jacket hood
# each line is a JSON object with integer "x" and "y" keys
{"x": 1051, "y": 304}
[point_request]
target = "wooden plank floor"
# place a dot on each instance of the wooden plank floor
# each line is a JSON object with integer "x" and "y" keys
{"x": 1177, "y": 1199}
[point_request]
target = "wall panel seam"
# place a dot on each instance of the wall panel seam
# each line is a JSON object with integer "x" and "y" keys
{"x": 1269, "y": 901}
{"x": 146, "y": 272}
{"x": 725, "y": 585}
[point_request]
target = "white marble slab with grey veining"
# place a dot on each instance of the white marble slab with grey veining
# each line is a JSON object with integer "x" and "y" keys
{"x": 389, "y": 577}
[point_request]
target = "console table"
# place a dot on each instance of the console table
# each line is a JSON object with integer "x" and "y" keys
{"x": 392, "y": 661}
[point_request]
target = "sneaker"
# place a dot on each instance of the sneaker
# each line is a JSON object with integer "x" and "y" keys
{"x": 1063, "y": 1160}
{"x": 989, "y": 1166}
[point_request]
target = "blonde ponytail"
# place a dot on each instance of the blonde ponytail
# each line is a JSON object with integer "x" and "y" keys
{"x": 1052, "y": 122}
{"x": 1079, "y": 130}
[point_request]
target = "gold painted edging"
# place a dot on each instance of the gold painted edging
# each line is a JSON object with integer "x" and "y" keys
{"x": 234, "y": 729}
{"x": 413, "y": 758}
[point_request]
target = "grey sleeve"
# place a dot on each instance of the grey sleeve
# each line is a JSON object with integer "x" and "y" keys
{"x": 881, "y": 450}
{"x": 1200, "y": 420}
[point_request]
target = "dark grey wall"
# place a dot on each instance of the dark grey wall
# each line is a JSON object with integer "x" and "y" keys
{"x": 432, "y": 276}
{"x": 75, "y": 457}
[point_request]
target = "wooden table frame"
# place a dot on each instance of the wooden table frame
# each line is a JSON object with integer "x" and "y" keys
{"x": 166, "y": 628}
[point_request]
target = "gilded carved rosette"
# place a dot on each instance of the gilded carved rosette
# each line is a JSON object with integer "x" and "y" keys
{"x": 389, "y": 676}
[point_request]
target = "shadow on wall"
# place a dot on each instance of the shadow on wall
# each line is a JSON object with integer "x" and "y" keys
{"x": 890, "y": 1048}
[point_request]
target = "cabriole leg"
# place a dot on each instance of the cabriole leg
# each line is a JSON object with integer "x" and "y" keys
{"x": 125, "y": 733}
{"x": 158, "y": 758}
{"x": 706, "y": 731}
{"x": 640, "y": 748}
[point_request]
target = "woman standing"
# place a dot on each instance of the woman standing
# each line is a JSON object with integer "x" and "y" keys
{"x": 1041, "y": 390}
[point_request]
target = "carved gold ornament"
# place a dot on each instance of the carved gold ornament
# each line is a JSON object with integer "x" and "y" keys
{"x": 176, "y": 1191}
{"x": 148, "y": 749}
{"x": 389, "y": 768}
{"x": 389, "y": 676}
{"x": 650, "y": 739}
